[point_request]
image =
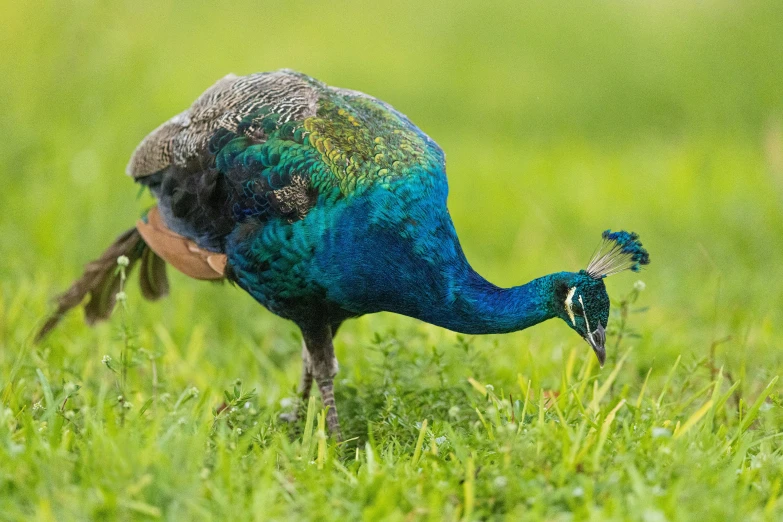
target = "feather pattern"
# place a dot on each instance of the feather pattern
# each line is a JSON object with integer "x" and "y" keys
{"x": 267, "y": 146}
{"x": 182, "y": 140}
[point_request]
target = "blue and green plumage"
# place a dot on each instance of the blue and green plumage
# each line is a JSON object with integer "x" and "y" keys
{"x": 329, "y": 204}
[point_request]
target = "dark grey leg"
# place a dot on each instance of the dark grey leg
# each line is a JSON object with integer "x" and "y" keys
{"x": 306, "y": 384}
{"x": 305, "y": 387}
{"x": 323, "y": 367}
{"x": 326, "y": 387}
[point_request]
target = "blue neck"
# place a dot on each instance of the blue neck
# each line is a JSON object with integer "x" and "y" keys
{"x": 476, "y": 306}
{"x": 425, "y": 276}
{"x": 373, "y": 254}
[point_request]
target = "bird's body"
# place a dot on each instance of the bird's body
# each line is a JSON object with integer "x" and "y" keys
{"x": 331, "y": 208}
{"x": 323, "y": 204}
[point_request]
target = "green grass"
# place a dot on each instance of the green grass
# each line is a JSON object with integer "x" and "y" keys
{"x": 558, "y": 122}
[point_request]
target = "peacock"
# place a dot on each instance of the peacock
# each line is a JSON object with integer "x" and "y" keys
{"x": 324, "y": 204}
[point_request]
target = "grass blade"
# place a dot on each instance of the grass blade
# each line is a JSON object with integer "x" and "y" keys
{"x": 693, "y": 419}
{"x": 419, "y": 442}
{"x": 307, "y": 437}
{"x": 321, "y": 439}
{"x": 469, "y": 489}
{"x": 48, "y": 395}
{"x": 605, "y": 433}
{"x": 604, "y": 389}
{"x": 668, "y": 381}
{"x": 644, "y": 388}
{"x": 754, "y": 410}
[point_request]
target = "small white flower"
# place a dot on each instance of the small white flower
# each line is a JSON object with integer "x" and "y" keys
{"x": 127, "y": 405}
{"x": 121, "y": 297}
{"x": 500, "y": 482}
{"x": 69, "y": 387}
{"x": 453, "y": 411}
{"x": 37, "y": 406}
{"x": 286, "y": 402}
{"x": 490, "y": 388}
{"x": 193, "y": 392}
{"x": 661, "y": 432}
{"x": 123, "y": 261}
{"x": 69, "y": 414}
{"x": 639, "y": 286}
{"x": 239, "y": 431}
{"x": 757, "y": 461}
{"x": 106, "y": 359}
{"x": 578, "y": 492}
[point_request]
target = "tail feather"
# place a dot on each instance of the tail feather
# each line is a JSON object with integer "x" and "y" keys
{"x": 101, "y": 281}
{"x": 152, "y": 276}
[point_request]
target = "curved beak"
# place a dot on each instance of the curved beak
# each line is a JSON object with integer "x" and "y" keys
{"x": 597, "y": 341}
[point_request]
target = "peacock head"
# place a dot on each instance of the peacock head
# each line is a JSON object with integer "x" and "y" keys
{"x": 581, "y": 299}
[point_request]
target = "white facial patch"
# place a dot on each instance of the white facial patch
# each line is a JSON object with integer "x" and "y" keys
{"x": 569, "y": 304}
{"x": 584, "y": 313}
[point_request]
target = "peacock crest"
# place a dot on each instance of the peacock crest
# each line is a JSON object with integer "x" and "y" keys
{"x": 618, "y": 251}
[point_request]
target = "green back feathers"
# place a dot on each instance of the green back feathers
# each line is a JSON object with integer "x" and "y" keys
{"x": 359, "y": 140}
{"x": 365, "y": 142}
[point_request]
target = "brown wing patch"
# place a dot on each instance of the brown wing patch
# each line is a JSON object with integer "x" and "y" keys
{"x": 180, "y": 252}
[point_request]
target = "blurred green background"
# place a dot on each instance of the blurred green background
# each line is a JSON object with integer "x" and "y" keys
{"x": 559, "y": 120}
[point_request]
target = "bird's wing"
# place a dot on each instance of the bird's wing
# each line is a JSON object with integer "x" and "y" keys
{"x": 184, "y": 139}
{"x": 269, "y": 145}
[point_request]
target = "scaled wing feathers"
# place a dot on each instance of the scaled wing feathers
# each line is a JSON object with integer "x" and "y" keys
{"x": 184, "y": 138}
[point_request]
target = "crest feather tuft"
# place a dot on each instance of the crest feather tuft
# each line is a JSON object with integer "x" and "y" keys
{"x": 618, "y": 251}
